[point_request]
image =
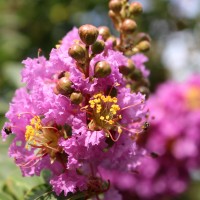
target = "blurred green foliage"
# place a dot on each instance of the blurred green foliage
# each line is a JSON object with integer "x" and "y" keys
{"x": 27, "y": 25}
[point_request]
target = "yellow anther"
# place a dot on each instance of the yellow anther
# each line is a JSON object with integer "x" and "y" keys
{"x": 102, "y": 118}
{"x": 111, "y": 122}
{"x": 33, "y": 129}
{"x": 97, "y": 100}
{"x": 29, "y": 133}
{"x": 119, "y": 129}
{"x": 107, "y": 117}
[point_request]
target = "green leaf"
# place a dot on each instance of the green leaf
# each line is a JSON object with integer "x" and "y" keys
{"x": 5, "y": 196}
{"x": 46, "y": 175}
{"x": 11, "y": 189}
{"x": 40, "y": 192}
{"x": 76, "y": 196}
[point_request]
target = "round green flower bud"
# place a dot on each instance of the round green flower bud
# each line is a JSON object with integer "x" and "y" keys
{"x": 124, "y": 70}
{"x": 104, "y": 32}
{"x": 64, "y": 73}
{"x": 135, "y": 8}
{"x": 64, "y": 86}
{"x": 78, "y": 53}
{"x": 145, "y": 82}
{"x": 102, "y": 69}
{"x": 136, "y": 75}
{"x": 88, "y": 34}
{"x": 115, "y": 5}
{"x": 143, "y": 46}
{"x": 127, "y": 70}
{"x": 142, "y": 36}
{"x": 128, "y": 26}
{"x": 113, "y": 40}
{"x": 76, "y": 98}
{"x": 111, "y": 14}
{"x": 98, "y": 47}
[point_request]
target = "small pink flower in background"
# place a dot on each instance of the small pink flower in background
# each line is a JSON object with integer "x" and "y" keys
{"x": 174, "y": 136}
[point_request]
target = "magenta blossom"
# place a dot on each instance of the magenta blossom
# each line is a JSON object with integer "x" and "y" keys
{"x": 173, "y": 136}
{"x": 74, "y": 122}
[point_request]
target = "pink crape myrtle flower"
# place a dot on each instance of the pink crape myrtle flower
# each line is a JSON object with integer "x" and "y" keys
{"x": 78, "y": 142}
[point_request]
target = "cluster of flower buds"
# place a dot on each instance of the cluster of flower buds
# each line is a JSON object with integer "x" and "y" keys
{"x": 135, "y": 78}
{"x": 86, "y": 49}
{"x": 65, "y": 87}
{"x": 123, "y": 15}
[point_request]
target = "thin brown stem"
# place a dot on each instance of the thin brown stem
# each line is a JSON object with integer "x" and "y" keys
{"x": 87, "y": 64}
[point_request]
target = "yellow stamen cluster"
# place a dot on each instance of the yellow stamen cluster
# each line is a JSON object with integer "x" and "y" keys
{"x": 43, "y": 138}
{"x": 193, "y": 98}
{"x": 105, "y": 110}
{"x": 33, "y": 129}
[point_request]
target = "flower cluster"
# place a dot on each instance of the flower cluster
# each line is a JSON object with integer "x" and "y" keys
{"x": 174, "y": 136}
{"x": 76, "y": 117}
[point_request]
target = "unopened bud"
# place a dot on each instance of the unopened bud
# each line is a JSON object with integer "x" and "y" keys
{"x": 142, "y": 36}
{"x": 114, "y": 18}
{"x": 64, "y": 73}
{"x": 88, "y": 34}
{"x": 135, "y": 8}
{"x": 64, "y": 86}
{"x": 102, "y": 69}
{"x": 115, "y": 5}
{"x": 131, "y": 65}
{"x": 145, "y": 82}
{"x": 113, "y": 40}
{"x": 127, "y": 70}
{"x": 136, "y": 75}
{"x": 143, "y": 46}
{"x": 104, "y": 32}
{"x": 128, "y": 26}
{"x": 124, "y": 70}
{"x": 76, "y": 97}
{"x": 111, "y": 14}
{"x": 98, "y": 47}
{"x": 78, "y": 53}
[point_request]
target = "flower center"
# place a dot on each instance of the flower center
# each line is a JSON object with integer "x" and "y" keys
{"x": 45, "y": 139}
{"x": 105, "y": 111}
{"x": 193, "y": 98}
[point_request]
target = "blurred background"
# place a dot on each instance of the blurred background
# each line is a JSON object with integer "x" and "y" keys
{"x": 27, "y": 25}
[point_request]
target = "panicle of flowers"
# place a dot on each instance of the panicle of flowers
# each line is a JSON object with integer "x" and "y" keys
{"x": 77, "y": 115}
{"x": 174, "y": 136}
